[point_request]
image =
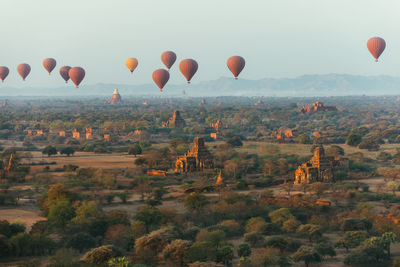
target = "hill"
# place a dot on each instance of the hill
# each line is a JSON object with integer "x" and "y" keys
{"x": 306, "y": 85}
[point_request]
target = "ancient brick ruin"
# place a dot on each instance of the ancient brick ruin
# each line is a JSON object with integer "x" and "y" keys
{"x": 197, "y": 158}
{"x": 176, "y": 121}
{"x": 317, "y": 107}
{"x": 320, "y": 168}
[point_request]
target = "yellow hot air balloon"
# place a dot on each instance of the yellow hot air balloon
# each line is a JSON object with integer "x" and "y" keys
{"x": 131, "y": 63}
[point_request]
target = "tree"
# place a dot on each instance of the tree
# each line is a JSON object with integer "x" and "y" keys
{"x": 87, "y": 212}
{"x": 81, "y": 241}
{"x": 392, "y": 186}
{"x": 291, "y": 225}
{"x": 255, "y": 225}
{"x": 119, "y": 235}
{"x": 280, "y": 216}
{"x": 135, "y": 149}
{"x": 149, "y": 246}
{"x": 215, "y": 238}
{"x": 119, "y": 262}
{"x": 278, "y": 243}
{"x": 225, "y": 255}
{"x": 99, "y": 256}
{"x": 49, "y": 151}
{"x": 356, "y": 224}
{"x": 312, "y": 231}
{"x": 388, "y": 238}
{"x": 67, "y": 151}
{"x": 177, "y": 252}
{"x": 235, "y": 141}
{"x": 353, "y": 139}
{"x": 244, "y": 250}
{"x": 60, "y": 212}
{"x": 325, "y": 249}
{"x": 150, "y": 216}
{"x": 202, "y": 251}
{"x": 306, "y": 254}
{"x": 265, "y": 257}
{"x": 195, "y": 202}
{"x": 351, "y": 239}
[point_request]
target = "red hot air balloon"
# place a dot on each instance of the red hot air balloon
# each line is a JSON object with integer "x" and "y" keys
{"x": 24, "y": 70}
{"x": 188, "y": 67}
{"x": 4, "y": 71}
{"x": 76, "y": 74}
{"x": 161, "y": 77}
{"x": 64, "y": 73}
{"x": 49, "y": 64}
{"x": 168, "y": 58}
{"x": 376, "y": 46}
{"x": 236, "y": 65}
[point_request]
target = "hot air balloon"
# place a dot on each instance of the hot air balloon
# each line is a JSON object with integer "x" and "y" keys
{"x": 376, "y": 46}
{"x": 188, "y": 67}
{"x": 161, "y": 77}
{"x": 131, "y": 63}
{"x": 76, "y": 74}
{"x": 24, "y": 70}
{"x": 236, "y": 65}
{"x": 64, "y": 73}
{"x": 4, "y": 72}
{"x": 168, "y": 58}
{"x": 49, "y": 64}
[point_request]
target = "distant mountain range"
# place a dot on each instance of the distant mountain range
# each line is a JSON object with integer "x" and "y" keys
{"x": 306, "y": 85}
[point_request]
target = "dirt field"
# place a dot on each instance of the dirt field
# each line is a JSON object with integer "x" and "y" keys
{"x": 26, "y": 214}
{"x": 86, "y": 160}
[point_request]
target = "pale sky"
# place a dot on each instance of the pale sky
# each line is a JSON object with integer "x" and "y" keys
{"x": 278, "y": 38}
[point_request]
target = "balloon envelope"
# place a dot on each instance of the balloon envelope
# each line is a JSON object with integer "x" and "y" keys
{"x": 24, "y": 70}
{"x": 4, "y": 71}
{"x": 64, "y": 73}
{"x": 76, "y": 74}
{"x": 188, "y": 67}
{"x": 49, "y": 64}
{"x": 376, "y": 46}
{"x": 161, "y": 77}
{"x": 131, "y": 63}
{"x": 168, "y": 58}
{"x": 236, "y": 65}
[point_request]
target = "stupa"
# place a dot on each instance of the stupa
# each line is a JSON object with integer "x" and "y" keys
{"x": 116, "y": 98}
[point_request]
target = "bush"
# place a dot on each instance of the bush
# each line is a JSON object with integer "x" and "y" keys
{"x": 99, "y": 256}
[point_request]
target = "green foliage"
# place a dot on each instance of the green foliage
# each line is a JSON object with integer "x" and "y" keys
{"x": 307, "y": 255}
{"x": 195, "y": 202}
{"x": 135, "y": 149}
{"x": 60, "y": 212}
{"x": 353, "y": 139}
{"x": 244, "y": 250}
{"x": 49, "y": 151}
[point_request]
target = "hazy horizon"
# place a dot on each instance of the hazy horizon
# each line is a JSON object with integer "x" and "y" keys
{"x": 277, "y": 39}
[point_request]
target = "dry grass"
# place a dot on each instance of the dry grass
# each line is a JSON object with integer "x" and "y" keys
{"x": 28, "y": 215}
{"x": 87, "y": 160}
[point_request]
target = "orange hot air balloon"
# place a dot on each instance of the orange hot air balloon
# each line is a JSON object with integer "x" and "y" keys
{"x": 161, "y": 77}
{"x": 76, "y": 74}
{"x": 4, "y": 71}
{"x": 24, "y": 70}
{"x": 131, "y": 63}
{"x": 49, "y": 64}
{"x": 64, "y": 72}
{"x": 168, "y": 58}
{"x": 376, "y": 46}
{"x": 236, "y": 65}
{"x": 188, "y": 67}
